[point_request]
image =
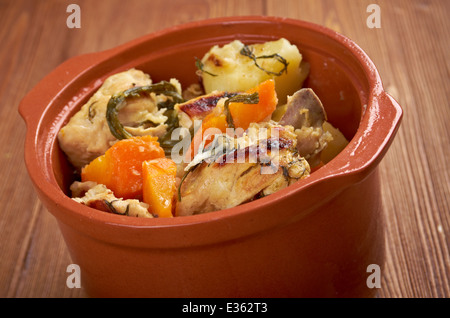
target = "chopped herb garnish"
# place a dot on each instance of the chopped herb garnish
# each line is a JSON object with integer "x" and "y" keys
{"x": 247, "y": 51}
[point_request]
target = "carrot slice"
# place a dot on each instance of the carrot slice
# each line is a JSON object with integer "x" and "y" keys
{"x": 159, "y": 185}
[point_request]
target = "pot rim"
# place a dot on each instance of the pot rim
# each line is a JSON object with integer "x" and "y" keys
{"x": 380, "y": 107}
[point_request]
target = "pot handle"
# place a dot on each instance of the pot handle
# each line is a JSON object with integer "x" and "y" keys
{"x": 377, "y": 129}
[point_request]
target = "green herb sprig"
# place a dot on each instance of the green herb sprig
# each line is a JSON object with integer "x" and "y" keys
{"x": 247, "y": 51}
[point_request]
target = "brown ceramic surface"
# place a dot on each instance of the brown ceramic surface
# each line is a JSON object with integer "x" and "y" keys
{"x": 314, "y": 238}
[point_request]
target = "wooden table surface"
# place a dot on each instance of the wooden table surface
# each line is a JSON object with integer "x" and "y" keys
{"x": 410, "y": 50}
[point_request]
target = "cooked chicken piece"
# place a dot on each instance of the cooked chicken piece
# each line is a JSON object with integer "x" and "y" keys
{"x": 251, "y": 167}
{"x": 99, "y": 197}
{"x": 87, "y": 134}
{"x": 194, "y": 110}
{"x": 200, "y": 106}
{"x": 306, "y": 114}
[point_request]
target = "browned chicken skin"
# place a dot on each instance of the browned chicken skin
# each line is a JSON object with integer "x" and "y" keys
{"x": 259, "y": 168}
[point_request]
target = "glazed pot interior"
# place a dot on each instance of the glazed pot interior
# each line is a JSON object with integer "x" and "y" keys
{"x": 336, "y": 75}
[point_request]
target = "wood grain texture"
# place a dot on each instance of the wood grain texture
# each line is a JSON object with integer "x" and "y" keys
{"x": 410, "y": 51}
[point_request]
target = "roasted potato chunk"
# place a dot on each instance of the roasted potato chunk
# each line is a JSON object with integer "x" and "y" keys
{"x": 236, "y": 67}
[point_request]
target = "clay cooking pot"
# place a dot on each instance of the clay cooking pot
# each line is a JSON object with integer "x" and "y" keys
{"x": 315, "y": 238}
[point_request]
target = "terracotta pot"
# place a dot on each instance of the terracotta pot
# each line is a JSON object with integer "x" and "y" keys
{"x": 315, "y": 238}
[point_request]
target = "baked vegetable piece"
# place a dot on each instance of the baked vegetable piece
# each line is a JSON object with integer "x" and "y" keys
{"x": 335, "y": 146}
{"x": 236, "y": 67}
{"x": 160, "y": 186}
{"x": 120, "y": 168}
{"x": 245, "y": 113}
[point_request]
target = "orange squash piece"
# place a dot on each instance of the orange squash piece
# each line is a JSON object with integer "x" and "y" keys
{"x": 159, "y": 186}
{"x": 98, "y": 170}
{"x": 120, "y": 168}
{"x": 245, "y": 114}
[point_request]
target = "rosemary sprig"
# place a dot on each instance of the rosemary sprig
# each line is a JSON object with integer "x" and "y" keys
{"x": 247, "y": 51}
